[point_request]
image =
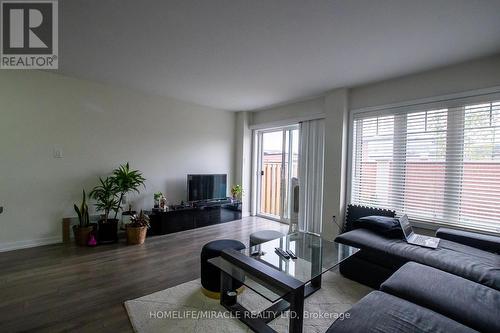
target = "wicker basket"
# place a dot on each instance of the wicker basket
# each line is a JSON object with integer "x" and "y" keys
{"x": 136, "y": 235}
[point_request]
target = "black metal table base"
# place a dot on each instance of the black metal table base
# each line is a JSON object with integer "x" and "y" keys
{"x": 282, "y": 284}
{"x": 294, "y": 302}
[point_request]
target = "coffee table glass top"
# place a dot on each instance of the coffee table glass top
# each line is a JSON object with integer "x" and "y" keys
{"x": 315, "y": 256}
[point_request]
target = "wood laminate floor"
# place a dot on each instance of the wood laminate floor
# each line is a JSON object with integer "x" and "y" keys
{"x": 61, "y": 287}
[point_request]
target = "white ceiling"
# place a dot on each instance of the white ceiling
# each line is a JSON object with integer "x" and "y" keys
{"x": 249, "y": 54}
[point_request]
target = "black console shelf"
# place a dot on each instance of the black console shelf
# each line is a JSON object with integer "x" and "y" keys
{"x": 186, "y": 218}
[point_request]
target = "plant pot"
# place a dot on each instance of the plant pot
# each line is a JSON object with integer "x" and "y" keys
{"x": 136, "y": 235}
{"x": 108, "y": 231}
{"x": 81, "y": 234}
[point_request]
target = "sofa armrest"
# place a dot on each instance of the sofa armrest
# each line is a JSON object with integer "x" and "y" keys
{"x": 479, "y": 241}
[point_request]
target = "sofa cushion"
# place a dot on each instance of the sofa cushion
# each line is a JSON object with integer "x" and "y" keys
{"x": 384, "y": 225}
{"x": 474, "y": 239}
{"x": 354, "y": 212}
{"x": 381, "y": 312}
{"x": 462, "y": 260}
{"x": 464, "y": 301}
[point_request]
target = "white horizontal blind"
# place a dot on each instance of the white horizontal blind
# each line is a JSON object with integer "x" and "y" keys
{"x": 438, "y": 165}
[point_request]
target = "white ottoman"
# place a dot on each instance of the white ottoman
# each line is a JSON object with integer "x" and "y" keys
{"x": 263, "y": 236}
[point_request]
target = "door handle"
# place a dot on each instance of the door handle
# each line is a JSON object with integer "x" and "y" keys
{"x": 262, "y": 172}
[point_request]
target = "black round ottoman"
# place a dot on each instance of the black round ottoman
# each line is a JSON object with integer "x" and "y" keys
{"x": 210, "y": 275}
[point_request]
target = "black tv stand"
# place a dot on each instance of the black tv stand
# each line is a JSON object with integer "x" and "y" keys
{"x": 209, "y": 203}
{"x": 194, "y": 215}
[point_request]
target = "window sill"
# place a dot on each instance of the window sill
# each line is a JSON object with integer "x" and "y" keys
{"x": 435, "y": 226}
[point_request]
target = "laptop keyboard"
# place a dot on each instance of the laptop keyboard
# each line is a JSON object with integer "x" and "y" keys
{"x": 419, "y": 239}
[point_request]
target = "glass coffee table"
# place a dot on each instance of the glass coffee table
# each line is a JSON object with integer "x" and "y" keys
{"x": 283, "y": 282}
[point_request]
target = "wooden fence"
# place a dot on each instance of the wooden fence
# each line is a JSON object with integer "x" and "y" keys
{"x": 271, "y": 189}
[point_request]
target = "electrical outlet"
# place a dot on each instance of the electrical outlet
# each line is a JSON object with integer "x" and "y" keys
{"x": 58, "y": 152}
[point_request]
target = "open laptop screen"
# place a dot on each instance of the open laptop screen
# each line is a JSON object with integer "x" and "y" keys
{"x": 405, "y": 225}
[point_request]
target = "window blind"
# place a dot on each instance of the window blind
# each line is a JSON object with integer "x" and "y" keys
{"x": 436, "y": 164}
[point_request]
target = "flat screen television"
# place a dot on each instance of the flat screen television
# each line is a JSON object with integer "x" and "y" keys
{"x": 206, "y": 187}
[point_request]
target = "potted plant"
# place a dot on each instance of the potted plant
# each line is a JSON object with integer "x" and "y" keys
{"x": 105, "y": 195}
{"x": 157, "y": 196}
{"x": 137, "y": 228}
{"x": 83, "y": 229}
{"x": 237, "y": 192}
{"x": 126, "y": 181}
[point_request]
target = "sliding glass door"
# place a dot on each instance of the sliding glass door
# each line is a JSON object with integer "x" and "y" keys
{"x": 277, "y": 164}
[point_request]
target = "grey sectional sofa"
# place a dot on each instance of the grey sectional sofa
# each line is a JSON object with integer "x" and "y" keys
{"x": 455, "y": 288}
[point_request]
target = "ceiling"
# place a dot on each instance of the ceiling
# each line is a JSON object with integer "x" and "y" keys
{"x": 251, "y": 54}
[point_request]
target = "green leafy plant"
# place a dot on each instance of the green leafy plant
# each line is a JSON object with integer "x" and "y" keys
{"x": 237, "y": 191}
{"x": 141, "y": 220}
{"x": 105, "y": 195}
{"x": 83, "y": 212}
{"x": 126, "y": 180}
{"x": 157, "y": 196}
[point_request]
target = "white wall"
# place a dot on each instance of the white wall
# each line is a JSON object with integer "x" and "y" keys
{"x": 472, "y": 75}
{"x": 281, "y": 114}
{"x": 243, "y": 158}
{"x": 98, "y": 127}
{"x": 336, "y": 139}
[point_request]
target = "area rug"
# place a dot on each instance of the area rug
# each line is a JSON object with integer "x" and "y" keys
{"x": 184, "y": 308}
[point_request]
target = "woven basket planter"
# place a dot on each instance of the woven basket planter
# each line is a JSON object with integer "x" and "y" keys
{"x": 136, "y": 235}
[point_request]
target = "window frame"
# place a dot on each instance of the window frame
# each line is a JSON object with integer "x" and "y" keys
{"x": 449, "y": 102}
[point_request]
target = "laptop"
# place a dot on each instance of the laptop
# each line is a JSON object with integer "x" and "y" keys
{"x": 413, "y": 238}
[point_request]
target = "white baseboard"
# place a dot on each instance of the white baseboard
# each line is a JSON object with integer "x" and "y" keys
{"x": 10, "y": 246}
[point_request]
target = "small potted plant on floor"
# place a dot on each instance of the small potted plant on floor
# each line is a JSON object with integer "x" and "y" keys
{"x": 105, "y": 195}
{"x": 137, "y": 228}
{"x": 83, "y": 229}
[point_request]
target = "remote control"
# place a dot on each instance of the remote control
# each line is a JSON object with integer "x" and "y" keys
{"x": 282, "y": 253}
{"x": 290, "y": 252}
{"x": 255, "y": 253}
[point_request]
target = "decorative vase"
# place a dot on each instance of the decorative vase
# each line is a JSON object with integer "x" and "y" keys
{"x": 92, "y": 240}
{"x": 82, "y": 234}
{"x": 136, "y": 235}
